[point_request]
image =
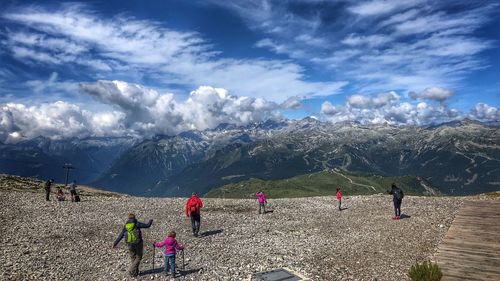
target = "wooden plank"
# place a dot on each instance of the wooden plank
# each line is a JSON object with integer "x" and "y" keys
{"x": 461, "y": 244}
{"x": 470, "y": 249}
{"x": 484, "y": 266}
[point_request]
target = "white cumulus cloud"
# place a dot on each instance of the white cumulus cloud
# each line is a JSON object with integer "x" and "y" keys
{"x": 387, "y": 108}
{"x": 58, "y": 120}
{"x": 151, "y": 112}
{"x": 292, "y": 103}
{"x": 362, "y": 101}
{"x": 432, "y": 93}
{"x": 485, "y": 112}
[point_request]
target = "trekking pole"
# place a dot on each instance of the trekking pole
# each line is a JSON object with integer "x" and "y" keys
{"x": 183, "y": 260}
{"x": 153, "y": 256}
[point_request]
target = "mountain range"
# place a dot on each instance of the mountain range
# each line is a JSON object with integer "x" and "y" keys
{"x": 460, "y": 157}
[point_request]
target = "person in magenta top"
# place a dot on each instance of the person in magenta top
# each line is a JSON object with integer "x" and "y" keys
{"x": 339, "y": 198}
{"x": 262, "y": 202}
{"x": 171, "y": 245}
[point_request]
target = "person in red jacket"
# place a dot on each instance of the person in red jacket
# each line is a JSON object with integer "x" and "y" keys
{"x": 339, "y": 198}
{"x": 193, "y": 206}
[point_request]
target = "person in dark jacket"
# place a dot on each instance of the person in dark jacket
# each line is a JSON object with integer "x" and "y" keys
{"x": 193, "y": 206}
{"x": 397, "y": 199}
{"x": 47, "y": 186}
{"x": 132, "y": 232}
{"x": 72, "y": 190}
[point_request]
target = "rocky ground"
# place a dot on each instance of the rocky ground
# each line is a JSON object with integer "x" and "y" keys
{"x": 72, "y": 241}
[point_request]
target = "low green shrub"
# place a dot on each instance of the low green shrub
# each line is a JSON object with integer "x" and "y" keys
{"x": 426, "y": 271}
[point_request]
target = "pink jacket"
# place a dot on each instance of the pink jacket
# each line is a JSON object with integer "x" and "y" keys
{"x": 339, "y": 195}
{"x": 261, "y": 197}
{"x": 170, "y": 245}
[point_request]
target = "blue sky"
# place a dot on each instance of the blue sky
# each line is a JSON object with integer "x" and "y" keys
{"x": 132, "y": 63}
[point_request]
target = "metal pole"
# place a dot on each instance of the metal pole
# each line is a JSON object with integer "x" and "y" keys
{"x": 67, "y": 175}
{"x": 67, "y": 167}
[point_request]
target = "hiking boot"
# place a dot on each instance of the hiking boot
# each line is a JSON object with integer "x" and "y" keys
{"x": 398, "y": 217}
{"x": 173, "y": 275}
{"x": 394, "y": 218}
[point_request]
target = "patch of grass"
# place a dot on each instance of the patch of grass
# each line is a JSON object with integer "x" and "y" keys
{"x": 319, "y": 184}
{"x": 493, "y": 195}
{"x": 426, "y": 271}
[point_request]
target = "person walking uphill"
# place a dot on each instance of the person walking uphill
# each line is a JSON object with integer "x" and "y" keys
{"x": 397, "y": 199}
{"x": 262, "y": 201}
{"x": 193, "y": 207}
{"x": 47, "y": 186}
{"x": 132, "y": 231}
{"x": 171, "y": 246}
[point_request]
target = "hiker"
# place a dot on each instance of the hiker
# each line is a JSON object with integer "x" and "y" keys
{"x": 72, "y": 191}
{"x": 132, "y": 230}
{"x": 171, "y": 245}
{"x": 60, "y": 195}
{"x": 193, "y": 206}
{"x": 261, "y": 198}
{"x": 397, "y": 198}
{"x": 339, "y": 198}
{"x": 47, "y": 185}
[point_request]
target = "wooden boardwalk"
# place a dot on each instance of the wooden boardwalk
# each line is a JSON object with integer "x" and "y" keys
{"x": 471, "y": 248}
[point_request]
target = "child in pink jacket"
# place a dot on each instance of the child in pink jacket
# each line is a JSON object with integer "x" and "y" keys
{"x": 262, "y": 202}
{"x": 171, "y": 246}
{"x": 339, "y": 198}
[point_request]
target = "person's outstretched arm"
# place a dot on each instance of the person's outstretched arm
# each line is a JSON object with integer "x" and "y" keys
{"x": 144, "y": 225}
{"x": 160, "y": 244}
{"x": 120, "y": 236}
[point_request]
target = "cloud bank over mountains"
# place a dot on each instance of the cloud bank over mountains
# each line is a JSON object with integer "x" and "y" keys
{"x": 137, "y": 111}
{"x": 141, "y": 112}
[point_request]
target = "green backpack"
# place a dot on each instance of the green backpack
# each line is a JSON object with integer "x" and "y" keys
{"x": 131, "y": 237}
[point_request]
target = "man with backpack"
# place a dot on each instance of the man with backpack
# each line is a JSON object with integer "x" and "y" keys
{"x": 397, "y": 199}
{"x": 132, "y": 230}
{"x": 193, "y": 206}
{"x": 47, "y": 186}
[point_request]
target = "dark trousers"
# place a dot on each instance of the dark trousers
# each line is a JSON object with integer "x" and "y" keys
{"x": 73, "y": 194}
{"x": 47, "y": 194}
{"x": 262, "y": 208}
{"x": 135, "y": 251}
{"x": 195, "y": 223}
{"x": 397, "y": 207}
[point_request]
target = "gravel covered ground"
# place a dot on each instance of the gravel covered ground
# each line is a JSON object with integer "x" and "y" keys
{"x": 72, "y": 241}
